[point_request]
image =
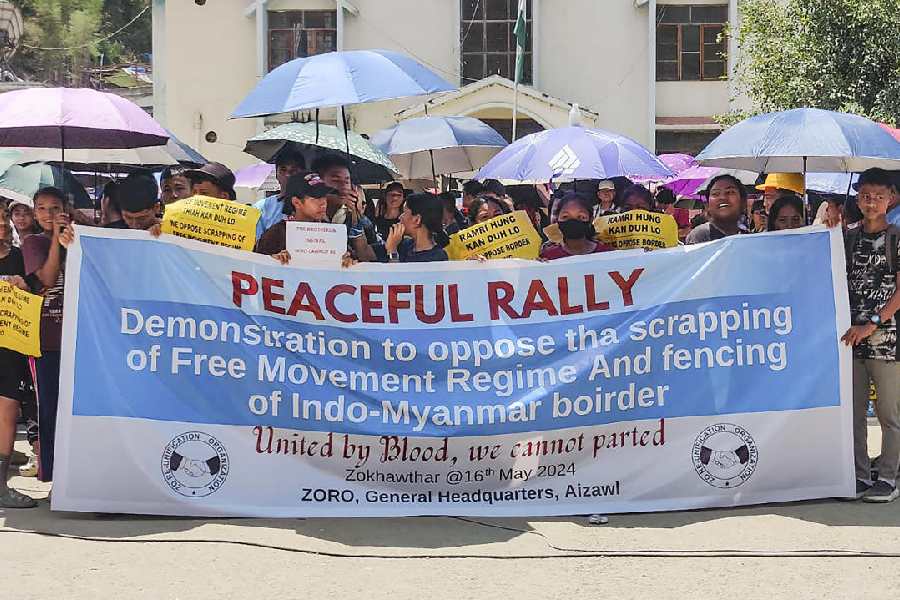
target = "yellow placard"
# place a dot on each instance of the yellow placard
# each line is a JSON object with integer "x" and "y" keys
{"x": 506, "y": 236}
{"x": 20, "y": 320}
{"x": 630, "y": 230}
{"x": 212, "y": 220}
{"x": 637, "y": 229}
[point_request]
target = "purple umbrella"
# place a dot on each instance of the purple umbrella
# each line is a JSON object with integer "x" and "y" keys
{"x": 571, "y": 153}
{"x": 690, "y": 182}
{"x": 678, "y": 162}
{"x": 75, "y": 118}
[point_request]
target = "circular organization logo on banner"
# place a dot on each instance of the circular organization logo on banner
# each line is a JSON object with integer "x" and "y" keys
{"x": 194, "y": 464}
{"x": 724, "y": 455}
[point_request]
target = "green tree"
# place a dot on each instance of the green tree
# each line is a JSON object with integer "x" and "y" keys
{"x": 835, "y": 54}
{"x": 135, "y": 39}
{"x": 84, "y": 29}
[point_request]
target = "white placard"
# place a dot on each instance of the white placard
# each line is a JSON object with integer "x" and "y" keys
{"x": 316, "y": 243}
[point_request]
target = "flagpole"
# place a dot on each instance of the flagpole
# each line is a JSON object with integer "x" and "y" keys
{"x": 521, "y": 33}
{"x": 515, "y": 109}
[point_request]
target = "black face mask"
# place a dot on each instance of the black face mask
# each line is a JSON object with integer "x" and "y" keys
{"x": 574, "y": 229}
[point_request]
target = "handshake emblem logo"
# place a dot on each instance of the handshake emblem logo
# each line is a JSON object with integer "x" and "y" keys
{"x": 194, "y": 464}
{"x": 724, "y": 455}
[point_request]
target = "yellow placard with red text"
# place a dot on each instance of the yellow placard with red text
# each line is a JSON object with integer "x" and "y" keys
{"x": 506, "y": 236}
{"x": 20, "y": 320}
{"x": 212, "y": 220}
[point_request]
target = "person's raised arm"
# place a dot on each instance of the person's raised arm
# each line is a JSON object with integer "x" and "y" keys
{"x": 48, "y": 272}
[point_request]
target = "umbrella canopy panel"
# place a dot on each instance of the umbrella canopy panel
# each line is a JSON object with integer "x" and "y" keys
{"x": 21, "y": 182}
{"x": 370, "y": 165}
{"x": 802, "y": 140}
{"x": 439, "y": 145}
{"x": 340, "y": 79}
{"x": 75, "y": 118}
{"x": 255, "y": 177}
{"x": 571, "y": 153}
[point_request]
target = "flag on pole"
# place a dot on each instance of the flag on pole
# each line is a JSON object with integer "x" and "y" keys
{"x": 521, "y": 33}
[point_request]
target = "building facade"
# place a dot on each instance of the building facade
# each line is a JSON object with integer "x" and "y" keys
{"x": 654, "y": 70}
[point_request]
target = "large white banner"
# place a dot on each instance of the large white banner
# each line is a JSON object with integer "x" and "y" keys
{"x": 198, "y": 380}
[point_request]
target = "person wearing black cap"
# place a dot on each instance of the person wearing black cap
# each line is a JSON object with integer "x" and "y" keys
{"x": 270, "y": 208}
{"x": 214, "y": 180}
{"x": 138, "y": 199}
{"x": 306, "y": 200}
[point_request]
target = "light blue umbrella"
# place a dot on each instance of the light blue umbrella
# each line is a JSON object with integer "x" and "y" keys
{"x": 426, "y": 146}
{"x": 20, "y": 183}
{"x": 571, "y": 153}
{"x": 831, "y": 183}
{"x": 337, "y": 79}
{"x": 803, "y": 140}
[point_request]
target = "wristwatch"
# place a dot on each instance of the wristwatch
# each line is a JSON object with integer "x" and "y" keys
{"x": 875, "y": 320}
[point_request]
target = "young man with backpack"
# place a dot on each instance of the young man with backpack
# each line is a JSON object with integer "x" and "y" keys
{"x": 872, "y": 249}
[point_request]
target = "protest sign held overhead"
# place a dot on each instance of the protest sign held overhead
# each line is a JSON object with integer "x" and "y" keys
{"x": 265, "y": 390}
{"x": 318, "y": 244}
{"x": 506, "y": 236}
{"x": 212, "y": 220}
{"x": 20, "y": 320}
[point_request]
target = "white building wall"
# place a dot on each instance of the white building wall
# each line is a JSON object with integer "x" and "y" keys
{"x": 427, "y": 30}
{"x": 691, "y": 98}
{"x": 594, "y": 52}
{"x": 210, "y": 63}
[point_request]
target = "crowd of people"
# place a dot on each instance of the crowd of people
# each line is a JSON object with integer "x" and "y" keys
{"x": 401, "y": 226}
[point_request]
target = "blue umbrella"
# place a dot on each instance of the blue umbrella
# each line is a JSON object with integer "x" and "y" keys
{"x": 338, "y": 79}
{"x": 426, "y": 146}
{"x": 831, "y": 183}
{"x": 571, "y": 153}
{"x": 803, "y": 140}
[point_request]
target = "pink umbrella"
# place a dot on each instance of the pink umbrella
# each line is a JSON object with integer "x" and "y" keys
{"x": 75, "y": 118}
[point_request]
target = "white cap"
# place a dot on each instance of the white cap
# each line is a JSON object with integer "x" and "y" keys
{"x": 606, "y": 184}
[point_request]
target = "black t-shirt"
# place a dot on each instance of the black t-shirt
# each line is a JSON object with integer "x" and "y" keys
{"x": 383, "y": 226}
{"x": 13, "y": 263}
{"x": 871, "y": 284}
{"x": 407, "y": 252}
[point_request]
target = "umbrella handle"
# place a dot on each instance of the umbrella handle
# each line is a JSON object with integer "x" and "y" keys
{"x": 346, "y": 134}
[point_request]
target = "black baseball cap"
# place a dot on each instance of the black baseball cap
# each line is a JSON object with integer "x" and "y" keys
{"x": 215, "y": 172}
{"x": 308, "y": 185}
{"x": 137, "y": 193}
